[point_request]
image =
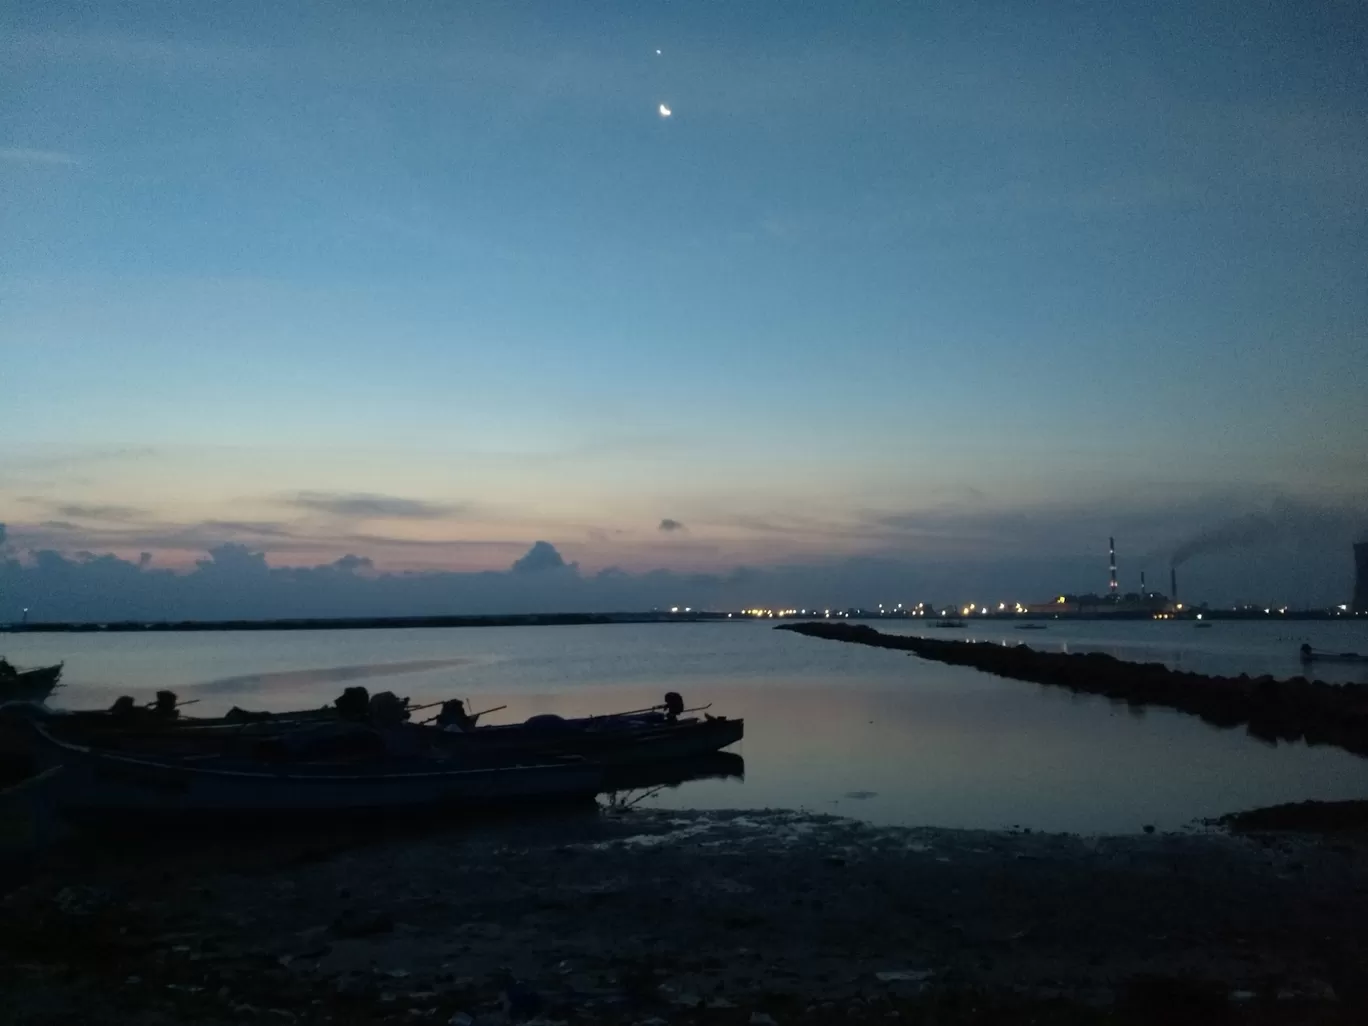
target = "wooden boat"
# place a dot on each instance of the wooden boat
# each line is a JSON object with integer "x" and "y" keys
{"x": 1031, "y": 627}
{"x": 28, "y": 685}
{"x": 27, "y": 823}
{"x": 103, "y": 785}
{"x": 948, "y": 623}
{"x": 645, "y": 735}
{"x": 610, "y": 740}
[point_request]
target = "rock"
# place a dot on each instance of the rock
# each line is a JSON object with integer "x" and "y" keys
{"x": 81, "y": 901}
{"x": 905, "y": 975}
{"x": 460, "y": 1019}
{"x": 762, "y": 1019}
{"x": 353, "y": 924}
{"x": 354, "y": 986}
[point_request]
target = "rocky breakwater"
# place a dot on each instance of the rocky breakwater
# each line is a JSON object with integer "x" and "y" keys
{"x": 1298, "y": 709}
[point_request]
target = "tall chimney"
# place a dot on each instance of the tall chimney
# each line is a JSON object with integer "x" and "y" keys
{"x": 1111, "y": 552}
{"x": 1142, "y": 584}
{"x": 1173, "y": 584}
{"x": 1360, "y": 578}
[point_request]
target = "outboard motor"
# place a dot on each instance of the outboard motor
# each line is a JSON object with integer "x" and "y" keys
{"x": 674, "y": 705}
{"x": 454, "y": 714}
{"x": 353, "y": 705}
{"x": 387, "y": 710}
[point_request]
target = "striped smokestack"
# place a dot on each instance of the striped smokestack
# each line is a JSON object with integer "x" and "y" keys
{"x": 1173, "y": 584}
{"x": 1111, "y": 552}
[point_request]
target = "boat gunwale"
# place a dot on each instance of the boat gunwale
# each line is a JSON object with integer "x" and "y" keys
{"x": 171, "y": 766}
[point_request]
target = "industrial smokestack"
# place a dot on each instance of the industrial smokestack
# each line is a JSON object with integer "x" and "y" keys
{"x": 1360, "y": 577}
{"x": 1142, "y": 584}
{"x": 1111, "y": 552}
{"x": 1173, "y": 584}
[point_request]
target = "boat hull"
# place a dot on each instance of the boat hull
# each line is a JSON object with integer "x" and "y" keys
{"x": 96, "y": 785}
{"x": 608, "y": 741}
{"x": 30, "y": 685}
{"x": 611, "y": 746}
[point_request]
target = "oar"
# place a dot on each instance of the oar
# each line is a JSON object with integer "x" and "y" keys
{"x": 473, "y": 716}
{"x": 632, "y": 712}
{"x": 426, "y": 705}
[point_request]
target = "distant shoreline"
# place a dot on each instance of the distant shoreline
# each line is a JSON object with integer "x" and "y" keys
{"x": 582, "y": 619}
{"x": 358, "y": 623}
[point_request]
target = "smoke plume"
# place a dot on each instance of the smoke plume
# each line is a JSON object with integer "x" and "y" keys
{"x": 1285, "y": 520}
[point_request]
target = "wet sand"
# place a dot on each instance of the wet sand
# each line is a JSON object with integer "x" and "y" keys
{"x": 633, "y": 916}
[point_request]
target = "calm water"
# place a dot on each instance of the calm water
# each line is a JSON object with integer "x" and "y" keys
{"x": 830, "y": 727}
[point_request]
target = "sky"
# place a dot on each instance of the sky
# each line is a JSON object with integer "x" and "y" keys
{"x": 898, "y": 297}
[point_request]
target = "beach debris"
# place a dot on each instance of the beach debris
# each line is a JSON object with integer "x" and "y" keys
{"x": 519, "y": 1000}
{"x": 905, "y": 975}
{"x": 353, "y": 924}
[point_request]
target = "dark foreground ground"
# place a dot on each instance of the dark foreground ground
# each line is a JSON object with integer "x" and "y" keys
{"x": 662, "y": 918}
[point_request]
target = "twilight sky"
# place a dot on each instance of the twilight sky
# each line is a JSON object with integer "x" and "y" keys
{"x": 952, "y": 290}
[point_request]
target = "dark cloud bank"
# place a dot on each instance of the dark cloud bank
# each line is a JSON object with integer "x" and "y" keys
{"x": 1285, "y": 552}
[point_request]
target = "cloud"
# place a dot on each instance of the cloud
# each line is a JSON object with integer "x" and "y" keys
{"x": 50, "y": 158}
{"x": 542, "y": 556}
{"x": 118, "y": 514}
{"x": 372, "y": 506}
{"x": 671, "y": 525}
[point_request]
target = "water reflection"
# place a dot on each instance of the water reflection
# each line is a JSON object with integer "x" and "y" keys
{"x": 835, "y": 728}
{"x": 289, "y": 680}
{"x": 630, "y": 785}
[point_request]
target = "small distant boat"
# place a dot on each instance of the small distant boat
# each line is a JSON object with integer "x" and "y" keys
{"x": 1310, "y": 655}
{"x": 948, "y": 623}
{"x": 1031, "y": 627}
{"x": 34, "y": 685}
{"x": 1200, "y": 626}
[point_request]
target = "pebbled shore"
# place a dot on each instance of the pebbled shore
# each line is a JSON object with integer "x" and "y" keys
{"x": 634, "y": 916}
